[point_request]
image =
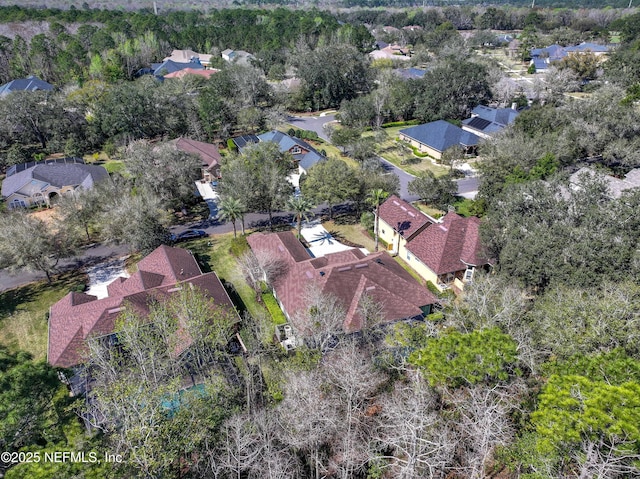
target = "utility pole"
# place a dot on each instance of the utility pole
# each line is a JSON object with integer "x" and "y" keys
{"x": 533, "y": 3}
{"x": 155, "y": 8}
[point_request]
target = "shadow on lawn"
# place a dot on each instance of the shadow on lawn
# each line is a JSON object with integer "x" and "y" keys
{"x": 19, "y": 298}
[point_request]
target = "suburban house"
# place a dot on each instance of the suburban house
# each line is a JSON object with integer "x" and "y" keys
{"x": 349, "y": 276}
{"x": 486, "y": 121}
{"x": 303, "y": 154}
{"x": 541, "y": 58}
{"x": 391, "y": 52}
{"x": 211, "y": 158}
{"x": 40, "y": 183}
{"x": 31, "y": 83}
{"x": 616, "y": 186}
{"x": 445, "y": 251}
{"x": 79, "y": 317}
{"x": 188, "y": 56}
{"x": 169, "y": 66}
{"x": 228, "y": 54}
{"x": 436, "y": 137}
{"x": 400, "y": 222}
{"x": 237, "y": 56}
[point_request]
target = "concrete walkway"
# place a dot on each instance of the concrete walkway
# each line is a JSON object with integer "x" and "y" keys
{"x": 103, "y": 274}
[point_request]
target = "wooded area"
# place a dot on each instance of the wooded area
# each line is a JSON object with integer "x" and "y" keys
{"x": 533, "y": 372}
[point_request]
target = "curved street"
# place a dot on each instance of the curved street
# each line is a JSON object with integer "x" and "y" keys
{"x": 467, "y": 187}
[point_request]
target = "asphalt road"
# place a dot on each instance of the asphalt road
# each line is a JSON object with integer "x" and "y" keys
{"x": 467, "y": 187}
{"x": 95, "y": 254}
{"x": 313, "y": 123}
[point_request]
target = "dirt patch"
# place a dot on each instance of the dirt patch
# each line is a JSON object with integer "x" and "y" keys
{"x": 48, "y": 215}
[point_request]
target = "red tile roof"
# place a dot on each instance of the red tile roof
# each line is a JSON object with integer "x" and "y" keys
{"x": 347, "y": 275}
{"x": 78, "y": 316}
{"x": 403, "y": 217}
{"x": 449, "y": 245}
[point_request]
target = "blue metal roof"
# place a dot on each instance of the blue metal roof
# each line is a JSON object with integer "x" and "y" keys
{"x": 441, "y": 135}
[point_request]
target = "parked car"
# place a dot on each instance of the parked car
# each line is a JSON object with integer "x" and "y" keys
{"x": 187, "y": 235}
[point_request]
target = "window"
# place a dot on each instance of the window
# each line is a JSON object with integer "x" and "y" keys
{"x": 408, "y": 256}
{"x": 383, "y": 231}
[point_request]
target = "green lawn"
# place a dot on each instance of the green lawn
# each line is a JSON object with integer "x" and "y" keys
{"x": 354, "y": 233}
{"x": 391, "y": 150}
{"x": 213, "y": 254}
{"x": 24, "y": 312}
{"x": 331, "y": 150}
{"x": 430, "y": 210}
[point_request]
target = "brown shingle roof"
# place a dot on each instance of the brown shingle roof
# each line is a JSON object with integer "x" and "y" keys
{"x": 403, "y": 217}
{"x": 347, "y": 275}
{"x": 450, "y": 245}
{"x": 78, "y": 316}
{"x": 206, "y": 151}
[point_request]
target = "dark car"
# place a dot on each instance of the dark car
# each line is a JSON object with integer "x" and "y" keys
{"x": 189, "y": 234}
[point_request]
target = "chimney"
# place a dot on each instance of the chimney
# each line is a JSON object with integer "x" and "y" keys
{"x": 514, "y": 106}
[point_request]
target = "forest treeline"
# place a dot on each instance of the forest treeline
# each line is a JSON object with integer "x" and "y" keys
{"x": 533, "y": 373}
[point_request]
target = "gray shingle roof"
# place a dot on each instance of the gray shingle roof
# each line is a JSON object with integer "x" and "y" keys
{"x": 286, "y": 142}
{"x": 57, "y": 174}
{"x": 441, "y": 135}
{"x": 501, "y": 116}
{"x": 31, "y": 83}
{"x": 169, "y": 66}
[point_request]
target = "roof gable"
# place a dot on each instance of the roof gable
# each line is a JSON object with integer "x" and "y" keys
{"x": 207, "y": 152}
{"x": 347, "y": 275}
{"x": 402, "y": 216}
{"x": 449, "y": 245}
{"x": 501, "y": 116}
{"x": 31, "y": 83}
{"x": 55, "y": 174}
{"x": 78, "y": 316}
{"x": 307, "y": 156}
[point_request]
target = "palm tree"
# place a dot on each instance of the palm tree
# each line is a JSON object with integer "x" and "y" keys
{"x": 376, "y": 197}
{"x": 232, "y": 209}
{"x": 301, "y": 208}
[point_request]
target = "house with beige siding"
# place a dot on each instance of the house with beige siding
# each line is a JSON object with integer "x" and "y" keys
{"x": 446, "y": 251}
{"x": 42, "y": 183}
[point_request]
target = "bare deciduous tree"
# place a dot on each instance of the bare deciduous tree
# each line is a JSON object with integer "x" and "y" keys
{"x": 308, "y": 416}
{"x": 260, "y": 267}
{"x": 483, "y": 423}
{"x": 412, "y": 439}
{"x": 322, "y": 320}
{"x": 601, "y": 460}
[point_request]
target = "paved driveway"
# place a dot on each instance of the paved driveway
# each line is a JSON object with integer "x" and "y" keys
{"x": 313, "y": 123}
{"x": 210, "y": 196}
{"x": 467, "y": 186}
{"x": 320, "y": 241}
